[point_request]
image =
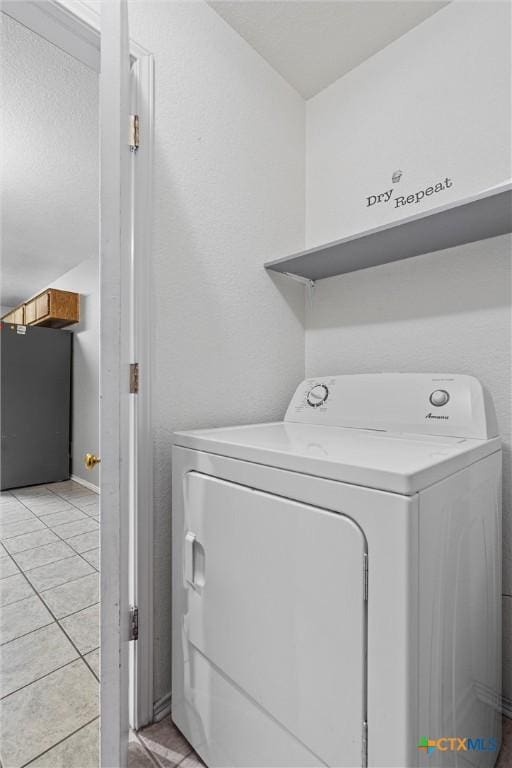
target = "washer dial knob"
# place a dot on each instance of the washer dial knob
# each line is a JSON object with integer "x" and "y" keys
{"x": 317, "y": 395}
{"x": 439, "y": 397}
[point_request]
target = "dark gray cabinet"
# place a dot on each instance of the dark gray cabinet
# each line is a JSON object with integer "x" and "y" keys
{"x": 35, "y": 405}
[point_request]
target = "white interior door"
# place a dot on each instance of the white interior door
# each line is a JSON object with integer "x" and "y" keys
{"x": 275, "y": 628}
{"x": 141, "y": 527}
{"x": 115, "y": 299}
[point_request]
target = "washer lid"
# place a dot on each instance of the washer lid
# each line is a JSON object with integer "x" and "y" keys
{"x": 389, "y": 461}
{"x": 385, "y": 460}
{"x": 397, "y": 432}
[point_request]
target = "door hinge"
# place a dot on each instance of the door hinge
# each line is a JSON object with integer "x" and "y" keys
{"x": 365, "y": 576}
{"x": 133, "y": 141}
{"x": 364, "y": 755}
{"x": 133, "y": 633}
{"x": 134, "y": 378}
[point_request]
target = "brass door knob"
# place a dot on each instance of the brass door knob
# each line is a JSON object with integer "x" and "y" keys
{"x": 90, "y": 460}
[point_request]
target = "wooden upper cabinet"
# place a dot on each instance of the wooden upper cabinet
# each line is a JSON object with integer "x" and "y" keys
{"x": 30, "y": 312}
{"x": 56, "y": 309}
{"x": 15, "y": 316}
{"x": 43, "y": 305}
{"x": 52, "y": 308}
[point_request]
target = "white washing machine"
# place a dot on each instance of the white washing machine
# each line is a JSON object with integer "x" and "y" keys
{"x": 337, "y": 579}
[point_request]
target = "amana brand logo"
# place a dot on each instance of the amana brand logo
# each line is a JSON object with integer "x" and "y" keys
{"x": 413, "y": 199}
{"x": 457, "y": 744}
{"x": 433, "y": 416}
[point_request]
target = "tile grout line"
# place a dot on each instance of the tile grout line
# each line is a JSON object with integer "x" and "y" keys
{"x": 61, "y": 498}
{"x": 192, "y": 752}
{"x": 55, "y": 619}
{"x": 76, "y": 537}
{"x": 34, "y": 530}
{"x": 42, "y": 677}
{"x": 68, "y": 557}
{"x": 97, "y": 498}
{"x": 80, "y": 656}
{"x": 25, "y": 634}
{"x": 186, "y": 757}
{"x": 73, "y": 613}
{"x": 38, "y": 546}
{"x": 153, "y": 759}
{"x": 55, "y": 586}
{"x": 70, "y": 502}
{"x": 93, "y": 549}
{"x": 42, "y": 499}
{"x": 29, "y": 570}
{"x": 13, "y": 602}
{"x": 62, "y": 629}
{"x": 58, "y": 560}
{"x": 70, "y": 581}
{"x": 90, "y": 666}
{"x": 45, "y": 626}
{"x": 65, "y": 542}
{"x": 3, "y": 578}
{"x": 76, "y": 553}
{"x": 60, "y": 742}
{"x": 156, "y": 757}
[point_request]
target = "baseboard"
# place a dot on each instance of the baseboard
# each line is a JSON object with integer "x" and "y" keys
{"x": 506, "y": 706}
{"x": 85, "y": 483}
{"x": 162, "y": 708}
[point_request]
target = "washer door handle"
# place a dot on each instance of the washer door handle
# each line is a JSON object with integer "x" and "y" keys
{"x": 190, "y": 539}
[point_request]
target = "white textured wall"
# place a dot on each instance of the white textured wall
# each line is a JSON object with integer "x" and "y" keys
{"x": 228, "y": 194}
{"x": 435, "y": 103}
{"x": 84, "y": 279}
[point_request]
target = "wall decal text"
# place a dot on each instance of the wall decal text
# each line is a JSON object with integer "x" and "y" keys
{"x": 413, "y": 199}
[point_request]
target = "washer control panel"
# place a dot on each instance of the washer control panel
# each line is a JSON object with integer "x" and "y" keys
{"x": 418, "y": 403}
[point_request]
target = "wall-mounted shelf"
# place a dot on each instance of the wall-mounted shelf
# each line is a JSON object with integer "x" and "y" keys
{"x": 487, "y": 214}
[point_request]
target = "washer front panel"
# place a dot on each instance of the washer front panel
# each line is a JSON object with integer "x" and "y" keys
{"x": 276, "y": 604}
{"x": 390, "y": 525}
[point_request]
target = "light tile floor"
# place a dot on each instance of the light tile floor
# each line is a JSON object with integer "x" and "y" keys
{"x": 165, "y": 747}
{"x": 161, "y": 745}
{"x": 49, "y": 638}
{"x": 49, "y": 626}
{"x": 505, "y": 758}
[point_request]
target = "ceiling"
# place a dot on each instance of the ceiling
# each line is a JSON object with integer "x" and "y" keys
{"x": 49, "y": 163}
{"x": 312, "y": 43}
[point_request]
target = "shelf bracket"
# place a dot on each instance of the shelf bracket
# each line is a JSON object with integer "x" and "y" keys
{"x": 304, "y": 280}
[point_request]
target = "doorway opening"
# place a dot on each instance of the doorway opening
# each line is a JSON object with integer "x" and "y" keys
{"x": 54, "y": 311}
